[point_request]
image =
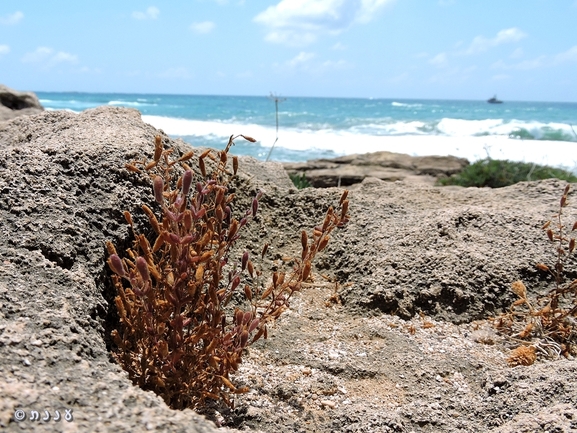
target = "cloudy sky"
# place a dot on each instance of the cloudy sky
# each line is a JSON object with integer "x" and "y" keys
{"x": 446, "y": 49}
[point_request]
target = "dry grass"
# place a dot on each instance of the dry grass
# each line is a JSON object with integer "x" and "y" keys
{"x": 550, "y": 321}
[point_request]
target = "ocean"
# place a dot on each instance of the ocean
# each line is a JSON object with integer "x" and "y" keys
{"x": 311, "y": 128}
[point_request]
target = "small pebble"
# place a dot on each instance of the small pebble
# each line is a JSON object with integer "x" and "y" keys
{"x": 328, "y": 403}
{"x": 26, "y": 362}
{"x": 333, "y": 354}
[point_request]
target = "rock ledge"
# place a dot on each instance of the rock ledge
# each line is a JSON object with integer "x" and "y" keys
{"x": 387, "y": 166}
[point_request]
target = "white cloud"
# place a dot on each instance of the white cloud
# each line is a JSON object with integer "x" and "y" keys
{"x": 338, "y": 64}
{"x": 568, "y": 56}
{"x": 291, "y": 38}
{"x": 300, "y": 22}
{"x": 87, "y": 70}
{"x": 4, "y": 49}
{"x": 508, "y": 35}
{"x": 307, "y": 62}
{"x": 539, "y": 62}
{"x": 481, "y": 43}
{"x": 532, "y": 64}
{"x": 524, "y": 65}
{"x": 11, "y": 19}
{"x": 39, "y": 55}
{"x": 369, "y": 8}
{"x": 61, "y": 56}
{"x": 440, "y": 60}
{"x": 300, "y": 59}
{"x": 151, "y": 13}
{"x": 202, "y": 27}
{"x": 48, "y": 57}
{"x": 339, "y": 47}
{"x": 225, "y": 2}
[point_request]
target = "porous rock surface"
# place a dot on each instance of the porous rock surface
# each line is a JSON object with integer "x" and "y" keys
{"x": 351, "y": 357}
{"x": 14, "y": 103}
{"x": 388, "y": 166}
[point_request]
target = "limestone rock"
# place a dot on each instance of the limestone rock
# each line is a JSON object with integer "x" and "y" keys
{"x": 352, "y": 356}
{"x": 387, "y": 166}
{"x": 14, "y": 103}
{"x": 63, "y": 189}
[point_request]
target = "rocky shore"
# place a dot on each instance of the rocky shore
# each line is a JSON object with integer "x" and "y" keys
{"x": 388, "y": 166}
{"x": 391, "y": 337}
{"x": 14, "y": 103}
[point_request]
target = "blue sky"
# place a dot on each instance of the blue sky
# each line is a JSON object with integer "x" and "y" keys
{"x": 446, "y": 49}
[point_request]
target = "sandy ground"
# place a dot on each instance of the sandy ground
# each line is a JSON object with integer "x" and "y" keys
{"x": 324, "y": 370}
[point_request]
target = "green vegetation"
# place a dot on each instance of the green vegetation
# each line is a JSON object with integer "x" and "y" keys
{"x": 498, "y": 173}
{"x": 300, "y": 180}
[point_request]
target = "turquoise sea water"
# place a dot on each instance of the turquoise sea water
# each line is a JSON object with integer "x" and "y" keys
{"x": 327, "y": 127}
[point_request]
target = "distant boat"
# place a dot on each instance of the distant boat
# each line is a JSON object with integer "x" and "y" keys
{"x": 494, "y": 100}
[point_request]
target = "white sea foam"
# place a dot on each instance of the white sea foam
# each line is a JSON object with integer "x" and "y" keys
{"x": 555, "y": 153}
{"x": 62, "y": 109}
{"x": 73, "y": 105}
{"x": 130, "y": 103}
{"x": 404, "y": 104}
{"x": 461, "y": 127}
{"x": 396, "y": 128}
{"x": 59, "y": 102}
{"x": 199, "y": 128}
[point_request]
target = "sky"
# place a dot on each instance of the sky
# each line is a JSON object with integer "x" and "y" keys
{"x": 523, "y": 50}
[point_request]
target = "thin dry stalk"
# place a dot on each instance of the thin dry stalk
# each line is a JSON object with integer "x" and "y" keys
{"x": 551, "y": 319}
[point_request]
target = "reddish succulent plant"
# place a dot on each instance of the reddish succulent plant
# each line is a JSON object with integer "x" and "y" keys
{"x": 179, "y": 333}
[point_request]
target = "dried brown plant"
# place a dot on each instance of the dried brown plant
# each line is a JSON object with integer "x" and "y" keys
{"x": 522, "y": 355}
{"x": 181, "y": 333}
{"x": 548, "y": 320}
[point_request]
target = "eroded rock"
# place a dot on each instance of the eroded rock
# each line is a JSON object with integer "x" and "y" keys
{"x": 14, "y": 103}
{"x": 366, "y": 364}
{"x": 387, "y": 166}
